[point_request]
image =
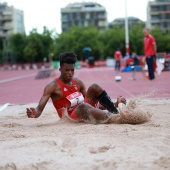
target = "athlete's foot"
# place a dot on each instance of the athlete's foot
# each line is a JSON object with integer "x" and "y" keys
{"x": 132, "y": 78}
{"x": 120, "y": 99}
{"x": 115, "y": 111}
{"x": 109, "y": 113}
{"x": 122, "y": 109}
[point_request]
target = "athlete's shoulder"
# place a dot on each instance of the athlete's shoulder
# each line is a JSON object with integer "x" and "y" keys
{"x": 78, "y": 81}
{"x": 52, "y": 85}
{"x": 151, "y": 36}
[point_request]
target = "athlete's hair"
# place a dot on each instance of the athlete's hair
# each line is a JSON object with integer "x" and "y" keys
{"x": 67, "y": 57}
{"x": 146, "y": 29}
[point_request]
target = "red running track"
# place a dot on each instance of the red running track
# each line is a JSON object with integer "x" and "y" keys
{"x": 20, "y": 87}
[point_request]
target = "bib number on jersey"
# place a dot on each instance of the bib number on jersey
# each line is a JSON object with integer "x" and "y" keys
{"x": 75, "y": 99}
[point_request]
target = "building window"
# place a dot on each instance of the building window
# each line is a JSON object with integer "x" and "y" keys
{"x": 155, "y": 17}
{"x": 162, "y": 8}
{"x": 101, "y": 23}
{"x": 82, "y": 15}
{"x": 64, "y": 16}
{"x": 154, "y": 8}
{"x": 87, "y": 16}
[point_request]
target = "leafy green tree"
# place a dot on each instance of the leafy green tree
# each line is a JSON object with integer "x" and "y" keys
{"x": 160, "y": 39}
{"x": 34, "y": 49}
{"x": 167, "y": 44}
{"x": 30, "y": 53}
{"x": 18, "y": 42}
{"x": 47, "y": 41}
{"x": 136, "y": 38}
{"x": 1, "y": 48}
{"x": 76, "y": 39}
{"x": 112, "y": 40}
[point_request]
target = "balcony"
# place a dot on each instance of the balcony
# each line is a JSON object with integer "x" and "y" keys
{"x": 6, "y": 28}
{"x": 7, "y": 18}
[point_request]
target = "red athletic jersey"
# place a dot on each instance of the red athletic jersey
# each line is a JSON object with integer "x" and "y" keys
{"x": 69, "y": 93}
{"x": 148, "y": 45}
{"x": 117, "y": 55}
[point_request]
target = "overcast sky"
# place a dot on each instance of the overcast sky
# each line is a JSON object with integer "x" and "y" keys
{"x": 39, "y": 13}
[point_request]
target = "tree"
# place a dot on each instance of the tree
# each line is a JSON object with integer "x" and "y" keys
{"x": 167, "y": 44}
{"x": 160, "y": 37}
{"x": 47, "y": 41}
{"x": 136, "y": 39}
{"x": 113, "y": 39}
{"x": 1, "y": 48}
{"x": 35, "y": 47}
{"x": 76, "y": 39}
{"x": 18, "y": 42}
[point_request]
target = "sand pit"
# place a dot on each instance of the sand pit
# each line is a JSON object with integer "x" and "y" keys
{"x": 52, "y": 143}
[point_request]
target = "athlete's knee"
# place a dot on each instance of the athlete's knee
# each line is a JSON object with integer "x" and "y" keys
{"x": 95, "y": 87}
{"x": 82, "y": 110}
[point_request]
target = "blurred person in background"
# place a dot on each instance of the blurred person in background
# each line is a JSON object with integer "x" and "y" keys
{"x": 117, "y": 56}
{"x": 150, "y": 50}
{"x": 136, "y": 66}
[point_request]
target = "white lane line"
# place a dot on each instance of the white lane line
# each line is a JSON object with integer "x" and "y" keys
{"x": 121, "y": 88}
{"x": 16, "y": 78}
{"x": 95, "y": 69}
{"x": 118, "y": 86}
{"x": 4, "y": 106}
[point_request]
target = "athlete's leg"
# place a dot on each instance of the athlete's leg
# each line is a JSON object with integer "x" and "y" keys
{"x": 133, "y": 72}
{"x": 115, "y": 65}
{"x": 87, "y": 112}
{"x": 96, "y": 93}
{"x": 118, "y": 65}
{"x": 150, "y": 63}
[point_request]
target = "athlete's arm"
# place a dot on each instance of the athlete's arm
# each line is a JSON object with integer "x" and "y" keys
{"x": 155, "y": 48}
{"x": 154, "y": 45}
{"x": 36, "y": 112}
{"x": 81, "y": 86}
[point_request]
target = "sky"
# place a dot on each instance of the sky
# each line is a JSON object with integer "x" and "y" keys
{"x": 40, "y": 13}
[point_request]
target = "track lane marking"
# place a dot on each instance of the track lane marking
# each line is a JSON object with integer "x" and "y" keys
{"x": 16, "y": 78}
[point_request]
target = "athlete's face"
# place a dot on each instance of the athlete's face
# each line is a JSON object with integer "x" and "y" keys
{"x": 67, "y": 72}
{"x": 146, "y": 33}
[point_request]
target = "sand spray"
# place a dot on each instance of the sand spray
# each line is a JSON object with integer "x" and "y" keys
{"x": 131, "y": 113}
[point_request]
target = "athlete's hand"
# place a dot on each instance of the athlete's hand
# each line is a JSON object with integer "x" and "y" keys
{"x": 31, "y": 113}
{"x": 120, "y": 99}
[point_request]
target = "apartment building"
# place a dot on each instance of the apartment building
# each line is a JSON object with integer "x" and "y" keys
{"x": 83, "y": 14}
{"x": 121, "y": 22}
{"x": 158, "y": 14}
{"x": 11, "y": 22}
